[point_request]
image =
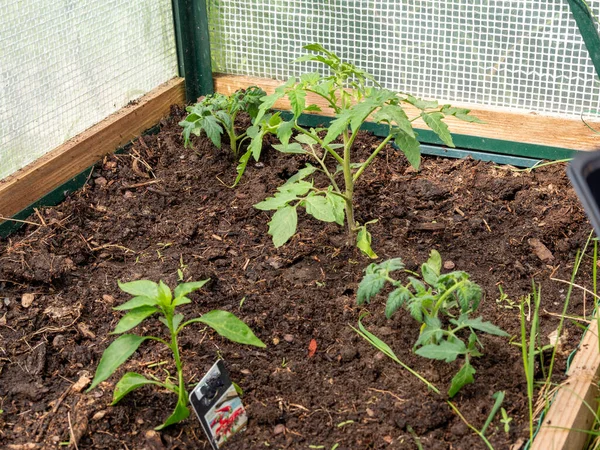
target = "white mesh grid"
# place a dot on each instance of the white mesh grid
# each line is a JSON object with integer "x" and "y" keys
{"x": 67, "y": 64}
{"x": 527, "y": 55}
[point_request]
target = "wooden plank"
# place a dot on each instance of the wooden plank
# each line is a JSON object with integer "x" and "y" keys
{"x": 575, "y": 403}
{"x": 31, "y": 183}
{"x": 503, "y": 124}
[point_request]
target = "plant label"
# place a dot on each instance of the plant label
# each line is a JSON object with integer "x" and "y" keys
{"x": 218, "y": 406}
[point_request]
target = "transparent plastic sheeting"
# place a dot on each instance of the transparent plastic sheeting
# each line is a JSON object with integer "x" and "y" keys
{"x": 527, "y": 55}
{"x": 67, "y": 64}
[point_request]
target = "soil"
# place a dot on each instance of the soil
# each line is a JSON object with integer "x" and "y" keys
{"x": 158, "y": 207}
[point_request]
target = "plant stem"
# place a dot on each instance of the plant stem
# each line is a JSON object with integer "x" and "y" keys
{"x": 349, "y": 186}
{"x": 181, "y": 397}
{"x": 370, "y": 159}
{"x": 445, "y": 295}
{"x": 314, "y": 136}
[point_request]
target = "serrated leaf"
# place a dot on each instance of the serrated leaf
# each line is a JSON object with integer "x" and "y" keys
{"x": 293, "y": 148}
{"x": 369, "y": 287}
{"x": 431, "y": 332}
{"x": 362, "y": 110}
{"x": 315, "y": 48}
{"x": 230, "y": 327}
{"x": 421, "y": 104}
{"x": 338, "y": 126}
{"x": 394, "y": 114}
{"x": 284, "y": 131}
{"x": 133, "y": 318}
{"x": 302, "y": 174}
{"x": 144, "y": 288}
{"x": 439, "y": 127}
{"x": 469, "y": 296}
{"x": 310, "y": 78}
{"x": 318, "y": 207}
{"x": 241, "y": 167}
{"x": 180, "y": 413}
{"x": 363, "y": 242}
{"x": 397, "y": 298}
{"x": 480, "y": 325}
{"x": 186, "y": 288}
{"x": 468, "y": 118}
{"x": 411, "y": 148}
{"x": 444, "y": 351}
{"x": 415, "y": 308}
{"x": 136, "y": 302}
{"x": 279, "y": 200}
{"x": 305, "y": 139}
{"x": 283, "y": 225}
{"x": 417, "y": 285}
{"x": 462, "y": 378}
{"x": 297, "y": 99}
{"x": 337, "y": 206}
{"x": 116, "y": 354}
{"x": 213, "y": 130}
{"x": 300, "y": 187}
{"x": 256, "y": 144}
{"x": 129, "y": 382}
{"x": 392, "y": 265}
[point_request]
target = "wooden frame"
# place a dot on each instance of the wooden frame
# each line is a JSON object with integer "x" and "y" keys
{"x": 21, "y": 189}
{"x": 501, "y": 124}
{"x": 572, "y": 410}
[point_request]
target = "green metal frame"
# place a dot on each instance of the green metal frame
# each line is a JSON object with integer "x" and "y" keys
{"x": 586, "y": 22}
{"x": 193, "y": 47}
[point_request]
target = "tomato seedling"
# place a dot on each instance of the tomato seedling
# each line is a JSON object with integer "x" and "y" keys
{"x": 450, "y": 297}
{"x": 354, "y": 96}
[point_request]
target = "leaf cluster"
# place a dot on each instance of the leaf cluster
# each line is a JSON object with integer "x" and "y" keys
{"x": 216, "y": 114}
{"x": 434, "y": 299}
{"x": 151, "y": 298}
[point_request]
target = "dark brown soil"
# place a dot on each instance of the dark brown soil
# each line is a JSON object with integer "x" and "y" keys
{"x": 484, "y": 219}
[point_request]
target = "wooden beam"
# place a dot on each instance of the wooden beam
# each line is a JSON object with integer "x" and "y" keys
{"x": 502, "y": 124}
{"x": 575, "y": 404}
{"x": 37, "y": 179}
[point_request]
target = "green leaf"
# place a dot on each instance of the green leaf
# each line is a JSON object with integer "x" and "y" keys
{"x": 297, "y": 99}
{"x": 302, "y": 174}
{"x": 283, "y": 225}
{"x": 300, "y": 187}
{"x": 136, "y": 302}
{"x": 128, "y": 383}
{"x": 463, "y": 377}
{"x": 133, "y": 318}
{"x": 316, "y": 48}
{"x": 415, "y": 308}
{"x": 363, "y": 242}
{"x": 305, "y": 139}
{"x": 431, "y": 332}
{"x": 338, "y": 205}
{"x": 411, "y": 148}
{"x": 256, "y": 144}
{"x": 480, "y": 325}
{"x": 230, "y": 327}
{"x": 394, "y": 114}
{"x": 181, "y": 301}
{"x": 318, "y": 207}
{"x": 444, "y": 351}
{"x": 392, "y": 265}
{"x": 284, "y": 131}
{"x": 421, "y": 104}
{"x": 180, "y": 413}
{"x": 279, "y": 200}
{"x": 439, "y": 127}
{"x": 145, "y": 288}
{"x": 468, "y": 118}
{"x": 369, "y": 287}
{"x": 177, "y": 318}
{"x": 429, "y": 274}
{"x": 338, "y": 126}
{"x": 213, "y": 130}
{"x": 185, "y": 288}
{"x": 417, "y": 285}
{"x": 396, "y": 299}
{"x": 293, "y": 148}
{"x": 376, "y": 342}
{"x": 435, "y": 262}
{"x": 116, "y": 354}
{"x": 241, "y": 167}
{"x": 310, "y": 78}
{"x": 469, "y": 296}
{"x": 362, "y": 110}
{"x": 164, "y": 294}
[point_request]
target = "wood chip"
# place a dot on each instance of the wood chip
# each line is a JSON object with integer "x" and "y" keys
{"x": 540, "y": 250}
{"x": 279, "y": 429}
{"x": 27, "y": 300}
{"x": 81, "y": 384}
{"x": 429, "y": 226}
{"x": 84, "y": 329}
{"x": 153, "y": 440}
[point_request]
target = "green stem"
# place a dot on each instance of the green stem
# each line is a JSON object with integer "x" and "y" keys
{"x": 181, "y": 396}
{"x": 370, "y": 159}
{"x": 349, "y": 186}
{"x": 324, "y": 167}
{"x": 331, "y": 101}
{"x": 444, "y": 296}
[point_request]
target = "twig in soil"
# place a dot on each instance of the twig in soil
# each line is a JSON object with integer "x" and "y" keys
{"x": 400, "y": 399}
{"x": 574, "y": 318}
{"x": 137, "y": 185}
{"x": 71, "y": 433}
{"x": 102, "y": 247}
{"x": 37, "y": 213}
{"x": 21, "y": 221}
{"x": 486, "y": 225}
{"x": 53, "y": 329}
{"x": 577, "y": 286}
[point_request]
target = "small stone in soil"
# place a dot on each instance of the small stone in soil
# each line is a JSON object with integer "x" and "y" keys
{"x": 348, "y": 353}
{"x": 276, "y": 340}
{"x": 449, "y": 265}
{"x": 59, "y": 341}
{"x": 288, "y": 338}
{"x": 27, "y": 300}
{"x": 108, "y": 298}
{"x": 100, "y": 181}
{"x": 279, "y": 429}
{"x": 99, "y": 415}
